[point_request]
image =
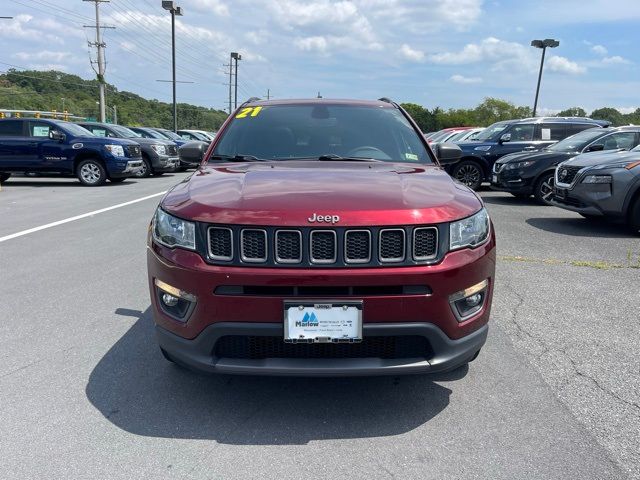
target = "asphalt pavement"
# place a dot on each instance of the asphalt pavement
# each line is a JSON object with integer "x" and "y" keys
{"x": 85, "y": 393}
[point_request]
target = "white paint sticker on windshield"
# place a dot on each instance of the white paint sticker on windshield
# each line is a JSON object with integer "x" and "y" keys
{"x": 546, "y": 134}
{"x": 39, "y": 131}
{"x": 411, "y": 156}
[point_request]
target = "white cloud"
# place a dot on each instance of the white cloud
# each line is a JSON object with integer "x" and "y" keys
{"x": 564, "y": 65}
{"x": 43, "y": 55}
{"x": 616, "y": 60}
{"x": 599, "y": 50}
{"x": 210, "y": 6}
{"x": 257, "y": 37}
{"x": 627, "y": 110}
{"x": 411, "y": 54}
{"x": 462, "y": 79}
{"x": 418, "y": 16}
{"x": 501, "y": 54}
{"x": 324, "y": 26}
{"x": 318, "y": 44}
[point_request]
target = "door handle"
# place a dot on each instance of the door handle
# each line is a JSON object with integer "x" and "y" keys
{"x": 529, "y": 148}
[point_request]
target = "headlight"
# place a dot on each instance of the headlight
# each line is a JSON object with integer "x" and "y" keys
{"x": 515, "y": 165}
{"x": 470, "y": 231}
{"x": 159, "y": 149}
{"x": 597, "y": 179}
{"x": 116, "y": 150}
{"x": 483, "y": 148}
{"x": 173, "y": 232}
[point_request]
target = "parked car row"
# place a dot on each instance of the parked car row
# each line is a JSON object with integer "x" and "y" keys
{"x": 91, "y": 151}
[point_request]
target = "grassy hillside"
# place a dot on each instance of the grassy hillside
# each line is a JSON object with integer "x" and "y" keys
{"x": 36, "y": 90}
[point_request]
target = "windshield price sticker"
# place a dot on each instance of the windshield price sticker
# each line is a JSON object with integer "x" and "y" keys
{"x": 249, "y": 112}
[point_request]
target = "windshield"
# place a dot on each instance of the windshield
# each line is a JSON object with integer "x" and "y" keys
{"x": 76, "y": 130}
{"x": 309, "y": 131}
{"x": 578, "y": 141}
{"x": 169, "y": 134}
{"x": 492, "y": 131}
{"x": 153, "y": 134}
{"x": 124, "y": 131}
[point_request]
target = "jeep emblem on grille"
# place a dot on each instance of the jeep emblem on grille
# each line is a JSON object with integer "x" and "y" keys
{"x": 323, "y": 218}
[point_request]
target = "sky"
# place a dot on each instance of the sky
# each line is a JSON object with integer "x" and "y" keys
{"x": 447, "y": 53}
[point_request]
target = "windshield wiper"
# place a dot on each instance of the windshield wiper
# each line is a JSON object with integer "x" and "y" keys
{"x": 332, "y": 157}
{"x": 237, "y": 158}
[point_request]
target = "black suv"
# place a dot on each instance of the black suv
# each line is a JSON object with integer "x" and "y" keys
{"x": 513, "y": 136}
{"x": 158, "y": 155}
{"x": 526, "y": 173}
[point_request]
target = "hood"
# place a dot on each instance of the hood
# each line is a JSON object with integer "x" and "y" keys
{"x": 592, "y": 159}
{"x": 470, "y": 146}
{"x": 152, "y": 141}
{"x": 103, "y": 141}
{"x": 287, "y": 193}
{"x": 538, "y": 155}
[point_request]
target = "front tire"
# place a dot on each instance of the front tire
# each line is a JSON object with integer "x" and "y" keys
{"x": 634, "y": 217}
{"x": 469, "y": 173}
{"x": 544, "y": 189}
{"x": 91, "y": 173}
{"x": 146, "y": 169}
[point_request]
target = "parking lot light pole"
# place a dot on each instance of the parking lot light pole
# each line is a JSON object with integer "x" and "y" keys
{"x": 175, "y": 10}
{"x": 543, "y": 44}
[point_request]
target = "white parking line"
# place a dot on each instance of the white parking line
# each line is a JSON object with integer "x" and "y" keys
{"x": 77, "y": 217}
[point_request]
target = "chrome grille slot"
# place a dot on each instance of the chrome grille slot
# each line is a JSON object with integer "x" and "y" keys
{"x": 253, "y": 245}
{"x": 357, "y": 246}
{"x": 425, "y": 243}
{"x": 323, "y": 246}
{"x": 288, "y": 246}
{"x": 220, "y": 243}
{"x": 391, "y": 246}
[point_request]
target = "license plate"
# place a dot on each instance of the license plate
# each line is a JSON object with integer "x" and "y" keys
{"x": 322, "y": 321}
{"x": 494, "y": 179}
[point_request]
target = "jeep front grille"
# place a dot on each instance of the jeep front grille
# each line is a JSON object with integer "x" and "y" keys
{"x": 322, "y": 248}
{"x": 133, "y": 151}
{"x": 172, "y": 150}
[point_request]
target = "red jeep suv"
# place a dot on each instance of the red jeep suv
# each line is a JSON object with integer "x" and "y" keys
{"x": 321, "y": 237}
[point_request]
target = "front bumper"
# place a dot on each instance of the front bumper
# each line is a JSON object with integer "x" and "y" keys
{"x": 214, "y": 314}
{"x": 166, "y": 164}
{"x": 605, "y": 199}
{"x": 132, "y": 168}
{"x": 199, "y": 353}
{"x": 511, "y": 181}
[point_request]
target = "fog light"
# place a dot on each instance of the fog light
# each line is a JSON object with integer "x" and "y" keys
{"x": 174, "y": 302}
{"x": 469, "y": 301}
{"x": 169, "y": 300}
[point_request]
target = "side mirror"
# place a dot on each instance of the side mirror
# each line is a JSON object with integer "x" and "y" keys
{"x": 596, "y": 147}
{"x": 505, "y": 138}
{"x": 192, "y": 152}
{"x": 448, "y": 153}
{"x": 57, "y": 136}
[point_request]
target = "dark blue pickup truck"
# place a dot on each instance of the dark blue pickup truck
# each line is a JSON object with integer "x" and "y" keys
{"x": 53, "y": 147}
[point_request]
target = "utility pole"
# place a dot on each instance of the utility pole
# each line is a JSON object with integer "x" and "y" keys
{"x": 268, "y": 94}
{"x": 235, "y": 56}
{"x": 174, "y": 10}
{"x": 230, "y": 81}
{"x": 542, "y": 44}
{"x": 115, "y": 114}
{"x": 100, "y": 45}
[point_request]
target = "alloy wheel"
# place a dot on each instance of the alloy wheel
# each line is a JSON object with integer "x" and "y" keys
{"x": 90, "y": 173}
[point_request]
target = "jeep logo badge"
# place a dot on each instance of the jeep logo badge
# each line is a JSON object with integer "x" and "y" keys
{"x": 323, "y": 218}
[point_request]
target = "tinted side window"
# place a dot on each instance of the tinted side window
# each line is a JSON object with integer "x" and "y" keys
{"x": 579, "y": 127}
{"x": 522, "y": 133}
{"x": 625, "y": 140}
{"x": 39, "y": 129}
{"x": 551, "y": 132}
{"x": 11, "y": 128}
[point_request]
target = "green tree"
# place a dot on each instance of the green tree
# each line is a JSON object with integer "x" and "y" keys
{"x": 572, "y": 112}
{"x": 611, "y": 114}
